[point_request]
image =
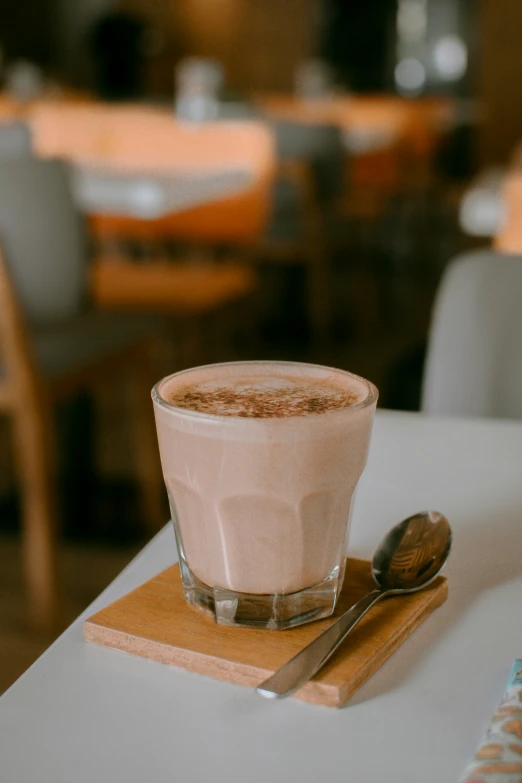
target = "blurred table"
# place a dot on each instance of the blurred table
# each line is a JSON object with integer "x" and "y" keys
{"x": 84, "y": 713}
{"x": 139, "y": 162}
{"x": 390, "y": 141}
{"x": 368, "y": 122}
{"x": 142, "y": 177}
{"x": 56, "y": 95}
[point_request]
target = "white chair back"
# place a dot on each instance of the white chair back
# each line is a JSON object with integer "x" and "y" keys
{"x": 474, "y": 360}
{"x": 41, "y": 237}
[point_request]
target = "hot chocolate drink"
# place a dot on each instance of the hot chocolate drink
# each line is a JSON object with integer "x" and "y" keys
{"x": 261, "y": 460}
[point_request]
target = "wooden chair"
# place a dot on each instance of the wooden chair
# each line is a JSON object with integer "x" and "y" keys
{"x": 196, "y": 294}
{"x": 182, "y": 290}
{"x": 203, "y": 302}
{"x": 51, "y": 347}
{"x": 290, "y": 229}
{"x": 135, "y": 268}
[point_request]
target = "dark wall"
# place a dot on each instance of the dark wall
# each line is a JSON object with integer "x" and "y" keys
{"x": 499, "y": 78}
{"x": 26, "y": 30}
{"x": 357, "y": 39}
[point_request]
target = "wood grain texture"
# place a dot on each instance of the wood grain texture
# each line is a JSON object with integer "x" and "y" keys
{"x": 154, "y": 621}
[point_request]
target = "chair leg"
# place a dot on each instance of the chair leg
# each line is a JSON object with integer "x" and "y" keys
{"x": 35, "y": 448}
{"x": 152, "y": 490}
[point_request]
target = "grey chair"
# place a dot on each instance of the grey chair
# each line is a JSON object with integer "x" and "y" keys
{"x": 321, "y": 147}
{"x": 310, "y": 179}
{"x": 15, "y": 139}
{"x": 53, "y": 345}
{"x": 474, "y": 358}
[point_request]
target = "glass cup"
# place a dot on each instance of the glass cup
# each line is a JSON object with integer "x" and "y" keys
{"x": 261, "y": 506}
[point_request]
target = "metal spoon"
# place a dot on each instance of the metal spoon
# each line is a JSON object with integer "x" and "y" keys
{"x": 407, "y": 559}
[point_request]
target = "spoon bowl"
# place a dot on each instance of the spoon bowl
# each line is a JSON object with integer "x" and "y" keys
{"x": 412, "y": 554}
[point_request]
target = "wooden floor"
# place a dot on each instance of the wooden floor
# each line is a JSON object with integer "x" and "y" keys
{"x": 86, "y": 570}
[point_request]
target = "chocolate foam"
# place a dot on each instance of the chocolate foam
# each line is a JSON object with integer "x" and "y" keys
{"x": 263, "y": 397}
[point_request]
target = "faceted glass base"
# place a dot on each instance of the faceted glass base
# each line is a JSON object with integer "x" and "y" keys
{"x": 272, "y": 611}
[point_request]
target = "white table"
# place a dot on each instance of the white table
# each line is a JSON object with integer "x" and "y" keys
{"x": 84, "y": 714}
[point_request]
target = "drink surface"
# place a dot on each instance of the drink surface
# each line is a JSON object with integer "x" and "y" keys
{"x": 263, "y": 393}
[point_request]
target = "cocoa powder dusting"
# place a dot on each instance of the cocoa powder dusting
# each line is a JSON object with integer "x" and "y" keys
{"x": 262, "y": 400}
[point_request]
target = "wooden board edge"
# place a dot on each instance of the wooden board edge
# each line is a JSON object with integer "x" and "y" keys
{"x": 331, "y": 695}
{"x": 315, "y": 692}
{"x": 191, "y": 661}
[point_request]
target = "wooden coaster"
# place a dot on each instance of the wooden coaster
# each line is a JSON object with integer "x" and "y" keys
{"x": 154, "y": 621}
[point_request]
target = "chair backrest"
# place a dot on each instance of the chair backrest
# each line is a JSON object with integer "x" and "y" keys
{"x": 474, "y": 360}
{"x": 321, "y": 146}
{"x": 15, "y": 139}
{"x": 42, "y": 239}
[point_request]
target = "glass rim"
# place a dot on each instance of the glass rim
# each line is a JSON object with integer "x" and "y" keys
{"x": 371, "y": 396}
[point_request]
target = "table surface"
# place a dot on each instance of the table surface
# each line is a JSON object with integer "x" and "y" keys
{"x": 83, "y": 713}
{"x": 140, "y": 161}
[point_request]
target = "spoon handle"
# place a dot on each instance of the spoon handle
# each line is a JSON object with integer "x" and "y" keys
{"x": 298, "y": 670}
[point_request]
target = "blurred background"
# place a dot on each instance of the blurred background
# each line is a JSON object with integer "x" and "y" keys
{"x": 189, "y": 181}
